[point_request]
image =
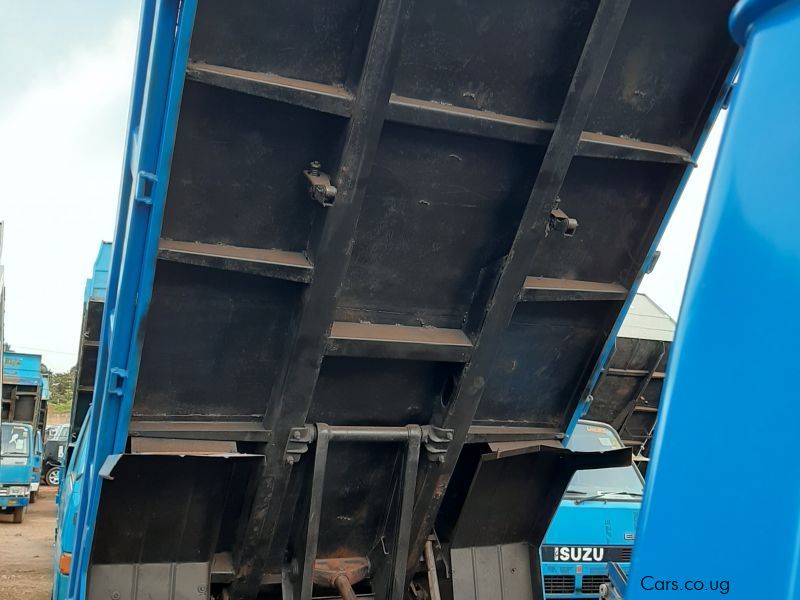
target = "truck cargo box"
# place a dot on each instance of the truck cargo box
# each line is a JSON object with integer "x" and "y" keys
{"x": 25, "y": 391}
{"x": 628, "y": 394}
{"x": 94, "y": 297}
{"x": 369, "y": 256}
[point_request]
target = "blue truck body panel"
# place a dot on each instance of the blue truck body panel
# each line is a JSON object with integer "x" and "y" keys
{"x": 67, "y": 505}
{"x": 97, "y": 285}
{"x": 22, "y": 369}
{"x": 95, "y": 293}
{"x": 161, "y": 58}
{"x": 745, "y": 270}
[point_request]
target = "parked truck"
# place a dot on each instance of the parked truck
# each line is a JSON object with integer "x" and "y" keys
{"x": 94, "y": 297}
{"x": 369, "y": 260}
{"x": 55, "y": 453}
{"x": 595, "y": 523}
{"x": 25, "y": 395}
{"x": 628, "y": 394}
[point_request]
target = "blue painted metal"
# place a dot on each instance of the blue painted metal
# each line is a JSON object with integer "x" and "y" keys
{"x": 165, "y": 31}
{"x": 68, "y": 503}
{"x": 17, "y": 469}
{"x": 22, "y": 369}
{"x": 605, "y": 355}
{"x": 97, "y": 285}
{"x": 746, "y": 269}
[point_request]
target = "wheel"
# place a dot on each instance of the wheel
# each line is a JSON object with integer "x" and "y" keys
{"x": 19, "y": 514}
{"x": 53, "y": 476}
{"x": 32, "y": 497}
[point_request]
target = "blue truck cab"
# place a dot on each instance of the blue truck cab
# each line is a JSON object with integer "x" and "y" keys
{"x": 67, "y": 502}
{"x": 595, "y": 522}
{"x": 17, "y": 460}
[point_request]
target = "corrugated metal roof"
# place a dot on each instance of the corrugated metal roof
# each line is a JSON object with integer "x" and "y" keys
{"x": 647, "y": 321}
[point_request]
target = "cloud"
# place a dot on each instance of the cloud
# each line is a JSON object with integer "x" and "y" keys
{"x": 61, "y": 148}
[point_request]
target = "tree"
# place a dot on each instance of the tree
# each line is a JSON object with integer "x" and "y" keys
{"x": 61, "y": 386}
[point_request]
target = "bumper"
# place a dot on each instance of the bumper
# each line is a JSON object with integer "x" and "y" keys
{"x": 13, "y": 501}
{"x": 575, "y": 581}
{"x": 35, "y": 486}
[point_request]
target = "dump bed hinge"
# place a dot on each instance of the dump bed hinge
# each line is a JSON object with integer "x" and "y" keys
{"x": 320, "y": 187}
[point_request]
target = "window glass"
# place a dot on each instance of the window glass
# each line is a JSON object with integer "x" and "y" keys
{"x": 16, "y": 440}
{"x": 623, "y": 482}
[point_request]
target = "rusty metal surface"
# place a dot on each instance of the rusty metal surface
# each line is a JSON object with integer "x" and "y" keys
{"x": 327, "y": 571}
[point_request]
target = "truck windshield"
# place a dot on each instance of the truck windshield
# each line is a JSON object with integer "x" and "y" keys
{"x": 15, "y": 440}
{"x": 618, "y": 483}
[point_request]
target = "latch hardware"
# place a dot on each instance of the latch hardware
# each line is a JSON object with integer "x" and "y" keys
{"x": 299, "y": 440}
{"x": 117, "y": 383}
{"x": 145, "y": 182}
{"x": 560, "y": 221}
{"x": 320, "y": 187}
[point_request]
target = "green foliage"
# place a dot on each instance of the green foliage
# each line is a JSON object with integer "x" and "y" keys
{"x": 61, "y": 409}
{"x": 61, "y": 387}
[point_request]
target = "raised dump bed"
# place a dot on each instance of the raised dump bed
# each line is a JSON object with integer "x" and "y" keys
{"x": 628, "y": 394}
{"x": 94, "y": 297}
{"x": 368, "y": 259}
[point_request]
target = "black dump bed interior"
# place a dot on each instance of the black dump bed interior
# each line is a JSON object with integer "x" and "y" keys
{"x": 501, "y": 170}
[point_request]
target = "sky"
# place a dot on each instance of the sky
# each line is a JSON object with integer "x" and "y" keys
{"x": 665, "y": 284}
{"x": 63, "y": 117}
{"x": 64, "y": 95}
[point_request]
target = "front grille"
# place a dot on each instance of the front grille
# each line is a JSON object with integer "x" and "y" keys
{"x": 4, "y": 491}
{"x": 626, "y": 554}
{"x": 559, "y": 584}
{"x": 591, "y": 583}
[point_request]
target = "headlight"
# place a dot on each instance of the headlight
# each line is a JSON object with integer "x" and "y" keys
{"x": 19, "y": 490}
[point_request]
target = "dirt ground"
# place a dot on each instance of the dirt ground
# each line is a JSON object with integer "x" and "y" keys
{"x": 26, "y": 551}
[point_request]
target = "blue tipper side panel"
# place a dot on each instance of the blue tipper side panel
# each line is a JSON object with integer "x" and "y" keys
{"x": 97, "y": 284}
{"x": 22, "y": 369}
{"x": 161, "y": 56}
{"x": 729, "y": 510}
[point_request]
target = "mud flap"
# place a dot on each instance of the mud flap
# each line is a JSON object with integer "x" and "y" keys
{"x": 162, "y": 520}
{"x": 504, "y": 515}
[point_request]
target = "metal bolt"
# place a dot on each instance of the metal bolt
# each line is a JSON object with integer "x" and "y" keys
{"x": 449, "y": 435}
{"x": 315, "y": 167}
{"x": 296, "y": 435}
{"x": 115, "y": 596}
{"x": 201, "y": 589}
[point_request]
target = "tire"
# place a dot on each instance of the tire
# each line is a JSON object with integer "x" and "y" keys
{"x": 53, "y": 476}
{"x": 19, "y": 514}
{"x": 32, "y": 497}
